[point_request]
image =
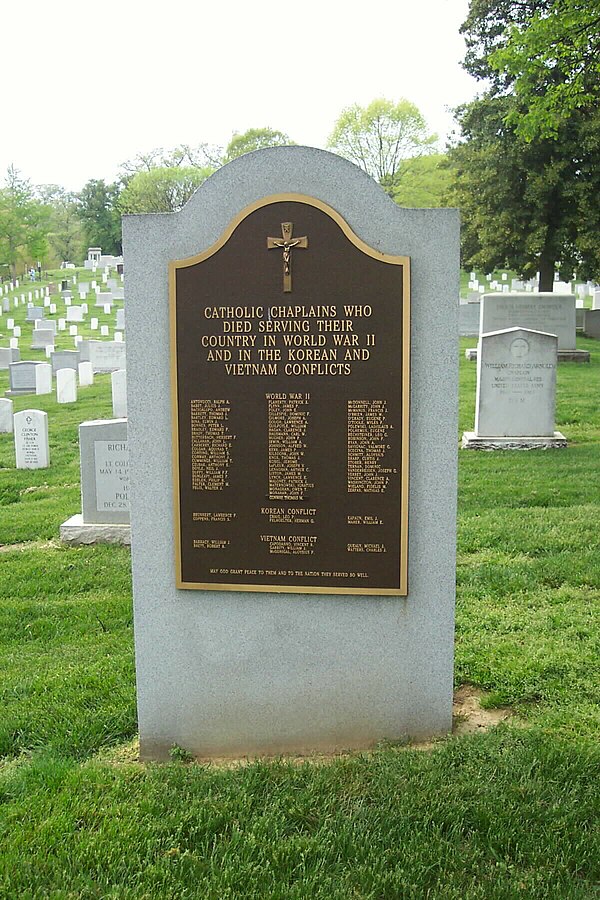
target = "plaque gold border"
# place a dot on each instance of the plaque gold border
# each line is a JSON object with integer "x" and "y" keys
{"x": 402, "y": 590}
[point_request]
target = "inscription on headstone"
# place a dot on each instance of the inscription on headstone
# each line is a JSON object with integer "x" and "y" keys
{"x": 111, "y": 460}
{"x": 31, "y": 439}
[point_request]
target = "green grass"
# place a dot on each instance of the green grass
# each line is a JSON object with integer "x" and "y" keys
{"x": 511, "y": 813}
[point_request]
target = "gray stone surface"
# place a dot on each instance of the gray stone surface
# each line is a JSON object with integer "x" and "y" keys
{"x": 240, "y": 673}
{"x": 21, "y": 376}
{"x": 8, "y": 355}
{"x": 591, "y": 323}
{"x": 548, "y": 312}
{"x": 107, "y": 356}
{"x": 104, "y": 457}
{"x": 42, "y": 338}
{"x": 34, "y": 312}
{"x": 74, "y": 314}
{"x": 75, "y": 531}
{"x": 64, "y": 359}
{"x": 471, "y": 441}
{"x": 468, "y": 319}
{"x": 516, "y": 384}
{"x": 47, "y": 323}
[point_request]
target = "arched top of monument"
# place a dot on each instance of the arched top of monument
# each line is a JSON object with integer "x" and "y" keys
{"x": 307, "y": 171}
{"x": 289, "y": 170}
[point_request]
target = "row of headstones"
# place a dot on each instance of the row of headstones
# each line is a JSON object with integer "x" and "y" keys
{"x": 30, "y": 427}
{"x": 105, "y": 356}
{"x": 45, "y": 330}
{"x": 83, "y": 287}
{"x": 518, "y": 285}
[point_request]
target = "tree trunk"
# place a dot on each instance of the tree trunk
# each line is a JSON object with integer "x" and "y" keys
{"x": 547, "y": 263}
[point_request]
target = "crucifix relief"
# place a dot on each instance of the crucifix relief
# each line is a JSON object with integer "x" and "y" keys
{"x": 286, "y": 243}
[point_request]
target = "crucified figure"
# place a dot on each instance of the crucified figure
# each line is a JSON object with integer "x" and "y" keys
{"x": 287, "y": 243}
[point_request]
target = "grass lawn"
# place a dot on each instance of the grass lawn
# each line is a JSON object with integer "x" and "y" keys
{"x": 513, "y": 812}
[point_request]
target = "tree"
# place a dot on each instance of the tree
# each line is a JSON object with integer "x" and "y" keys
{"x": 200, "y": 157}
{"x": 98, "y": 210}
{"x": 380, "y": 138}
{"x": 23, "y": 222}
{"x": 254, "y": 139}
{"x": 424, "y": 181}
{"x": 526, "y": 204}
{"x": 554, "y": 59}
{"x": 65, "y": 230}
{"x": 161, "y": 189}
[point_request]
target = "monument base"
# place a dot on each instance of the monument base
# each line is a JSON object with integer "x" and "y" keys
{"x": 471, "y": 441}
{"x": 579, "y": 356}
{"x": 76, "y": 531}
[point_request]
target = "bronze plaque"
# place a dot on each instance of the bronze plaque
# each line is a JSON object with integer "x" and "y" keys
{"x": 290, "y": 388}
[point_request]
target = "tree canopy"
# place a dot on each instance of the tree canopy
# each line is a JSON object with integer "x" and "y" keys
{"x": 98, "y": 209}
{"x": 554, "y": 59}
{"x": 254, "y": 139}
{"x": 380, "y": 138}
{"x": 23, "y": 222}
{"x": 161, "y": 189}
{"x": 528, "y": 202}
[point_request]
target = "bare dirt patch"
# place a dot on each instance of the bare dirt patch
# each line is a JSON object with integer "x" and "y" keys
{"x": 469, "y": 717}
{"x": 30, "y": 545}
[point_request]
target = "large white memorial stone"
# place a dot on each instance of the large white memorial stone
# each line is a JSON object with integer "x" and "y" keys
{"x": 107, "y": 356}
{"x": 237, "y": 672}
{"x": 104, "y": 455}
{"x": 21, "y": 377}
{"x": 31, "y": 439}
{"x": 516, "y": 392}
{"x": 547, "y": 312}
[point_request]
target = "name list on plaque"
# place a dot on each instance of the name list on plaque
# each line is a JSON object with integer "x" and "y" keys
{"x": 290, "y": 369}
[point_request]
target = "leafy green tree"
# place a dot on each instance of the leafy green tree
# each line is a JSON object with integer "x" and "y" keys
{"x": 424, "y": 181}
{"x": 23, "y": 222}
{"x": 526, "y": 204}
{"x": 98, "y": 210}
{"x": 254, "y": 139}
{"x": 380, "y": 138}
{"x": 554, "y": 59}
{"x": 161, "y": 189}
{"x": 65, "y": 229}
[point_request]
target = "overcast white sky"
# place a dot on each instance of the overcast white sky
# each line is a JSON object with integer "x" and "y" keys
{"x": 91, "y": 85}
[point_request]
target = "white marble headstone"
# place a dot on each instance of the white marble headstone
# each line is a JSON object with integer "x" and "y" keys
{"x": 516, "y": 384}
{"x": 66, "y": 386}
{"x": 43, "y": 378}
{"x": 31, "y": 439}
{"x": 119, "y": 393}
{"x": 6, "y": 416}
{"x": 86, "y": 374}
